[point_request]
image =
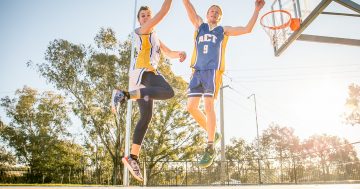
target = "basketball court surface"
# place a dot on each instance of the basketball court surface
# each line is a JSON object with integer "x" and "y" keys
{"x": 310, "y": 186}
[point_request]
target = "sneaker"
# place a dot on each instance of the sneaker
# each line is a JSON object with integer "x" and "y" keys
{"x": 207, "y": 158}
{"x": 118, "y": 97}
{"x": 218, "y": 137}
{"x": 134, "y": 168}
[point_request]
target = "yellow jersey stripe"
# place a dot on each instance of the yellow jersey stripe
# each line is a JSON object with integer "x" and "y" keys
{"x": 143, "y": 58}
{"x": 223, "y": 48}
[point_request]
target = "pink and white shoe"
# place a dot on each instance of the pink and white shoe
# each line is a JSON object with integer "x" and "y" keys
{"x": 134, "y": 168}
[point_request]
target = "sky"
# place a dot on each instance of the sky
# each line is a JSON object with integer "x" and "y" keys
{"x": 305, "y": 88}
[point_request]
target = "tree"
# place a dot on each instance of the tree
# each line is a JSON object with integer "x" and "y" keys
{"x": 353, "y": 104}
{"x": 38, "y": 131}
{"x": 328, "y": 151}
{"x": 242, "y": 159}
{"x": 88, "y": 75}
{"x": 6, "y": 158}
{"x": 172, "y": 134}
{"x": 282, "y": 142}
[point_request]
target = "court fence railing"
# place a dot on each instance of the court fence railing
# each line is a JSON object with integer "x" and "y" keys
{"x": 188, "y": 173}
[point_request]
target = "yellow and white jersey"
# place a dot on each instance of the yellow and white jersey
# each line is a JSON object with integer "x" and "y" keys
{"x": 148, "y": 52}
{"x": 147, "y": 56}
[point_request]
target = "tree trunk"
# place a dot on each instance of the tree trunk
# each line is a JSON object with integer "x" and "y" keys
{"x": 115, "y": 169}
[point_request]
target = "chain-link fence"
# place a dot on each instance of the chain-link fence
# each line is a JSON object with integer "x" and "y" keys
{"x": 236, "y": 173}
{"x": 187, "y": 173}
{"x": 328, "y": 165}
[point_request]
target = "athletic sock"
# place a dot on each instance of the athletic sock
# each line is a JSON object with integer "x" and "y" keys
{"x": 210, "y": 144}
{"x": 134, "y": 94}
{"x": 134, "y": 157}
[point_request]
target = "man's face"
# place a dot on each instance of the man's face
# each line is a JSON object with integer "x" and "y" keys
{"x": 214, "y": 15}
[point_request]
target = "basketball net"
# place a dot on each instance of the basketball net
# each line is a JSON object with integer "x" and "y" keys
{"x": 278, "y": 24}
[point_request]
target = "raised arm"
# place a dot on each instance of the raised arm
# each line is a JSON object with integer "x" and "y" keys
{"x": 149, "y": 25}
{"x": 172, "y": 54}
{"x": 195, "y": 19}
{"x": 239, "y": 30}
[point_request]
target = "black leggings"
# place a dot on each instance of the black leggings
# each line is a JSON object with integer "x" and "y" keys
{"x": 156, "y": 88}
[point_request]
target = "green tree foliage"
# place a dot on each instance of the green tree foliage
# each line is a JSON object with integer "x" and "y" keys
{"x": 38, "y": 131}
{"x": 100, "y": 162}
{"x": 281, "y": 142}
{"x": 353, "y": 105}
{"x": 88, "y": 75}
{"x": 172, "y": 135}
{"x": 6, "y": 158}
{"x": 242, "y": 157}
{"x": 106, "y": 39}
{"x": 329, "y": 152}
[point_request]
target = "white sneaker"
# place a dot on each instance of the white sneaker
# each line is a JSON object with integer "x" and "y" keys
{"x": 118, "y": 97}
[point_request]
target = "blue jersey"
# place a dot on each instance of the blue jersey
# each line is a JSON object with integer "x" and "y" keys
{"x": 209, "y": 51}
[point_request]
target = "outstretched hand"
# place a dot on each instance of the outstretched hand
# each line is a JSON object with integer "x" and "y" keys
{"x": 113, "y": 110}
{"x": 182, "y": 56}
{"x": 259, "y": 4}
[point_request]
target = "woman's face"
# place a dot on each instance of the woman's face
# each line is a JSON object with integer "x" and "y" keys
{"x": 144, "y": 16}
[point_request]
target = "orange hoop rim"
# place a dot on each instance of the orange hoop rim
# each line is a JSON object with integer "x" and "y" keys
{"x": 282, "y": 26}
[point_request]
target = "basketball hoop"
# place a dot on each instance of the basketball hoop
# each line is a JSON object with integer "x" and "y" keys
{"x": 277, "y": 24}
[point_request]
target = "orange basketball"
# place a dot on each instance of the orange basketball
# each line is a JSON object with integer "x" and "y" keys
{"x": 295, "y": 24}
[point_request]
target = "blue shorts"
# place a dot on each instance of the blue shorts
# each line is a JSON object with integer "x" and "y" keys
{"x": 204, "y": 83}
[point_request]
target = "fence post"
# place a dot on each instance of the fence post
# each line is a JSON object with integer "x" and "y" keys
{"x": 259, "y": 171}
{"x": 227, "y": 171}
{"x": 176, "y": 176}
{"x": 186, "y": 181}
{"x": 82, "y": 170}
{"x": 199, "y": 174}
{"x": 295, "y": 171}
{"x": 239, "y": 172}
{"x": 70, "y": 176}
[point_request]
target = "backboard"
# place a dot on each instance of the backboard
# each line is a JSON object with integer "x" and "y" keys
{"x": 298, "y": 9}
{"x": 307, "y": 11}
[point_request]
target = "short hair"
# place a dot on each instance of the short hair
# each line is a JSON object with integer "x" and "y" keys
{"x": 141, "y": 9}
{"x": 221, "y": 13}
